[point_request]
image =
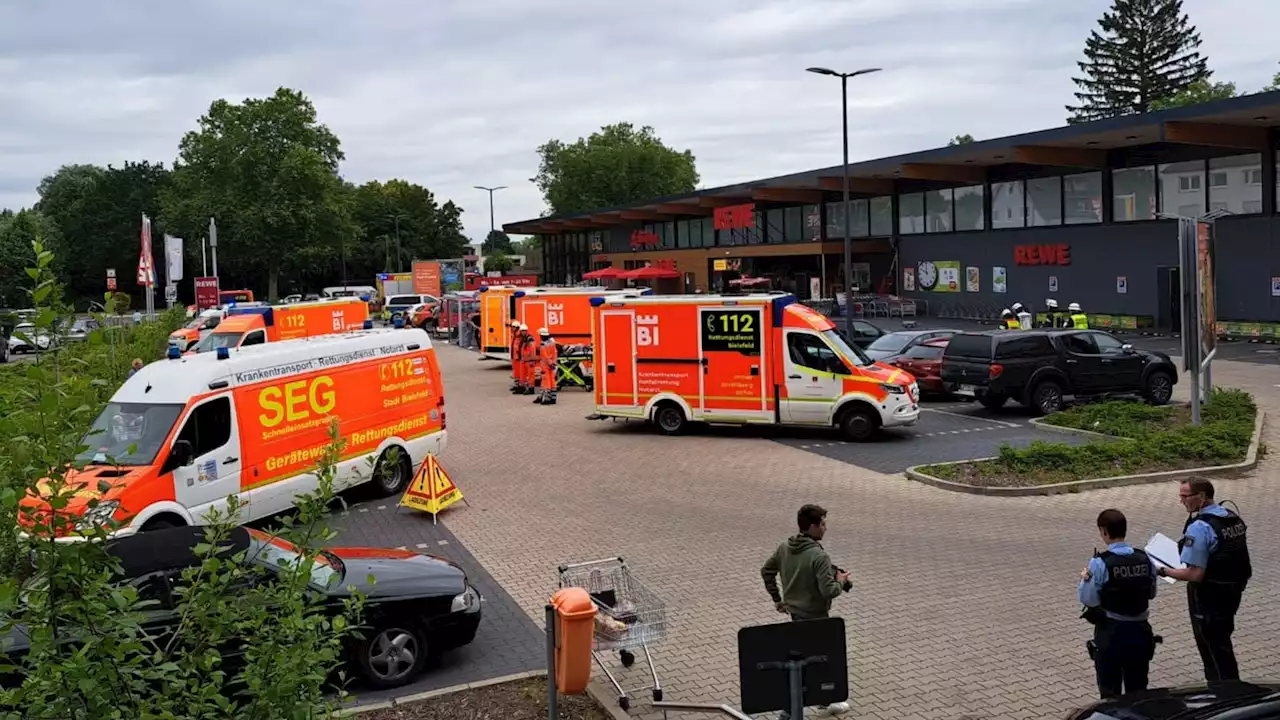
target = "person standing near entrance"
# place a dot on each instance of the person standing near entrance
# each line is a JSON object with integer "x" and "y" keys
{"x": 517, "y": 364}
{"x": 800, "y": 578}
{"x": 1116, "y": 588}
{"x": 548, "y": 357}
{"x": 1215, "y": 550}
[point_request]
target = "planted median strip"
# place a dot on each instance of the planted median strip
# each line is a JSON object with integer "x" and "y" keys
{"x": 1136, "y": 440}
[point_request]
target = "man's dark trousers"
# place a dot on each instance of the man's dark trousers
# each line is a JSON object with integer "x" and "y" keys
{"x": 1124, "y": 655}
{"x": 1213, "y": 620}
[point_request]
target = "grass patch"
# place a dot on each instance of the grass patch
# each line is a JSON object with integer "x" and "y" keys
{"x": 1147, "y": 439}
{"x": 516, "y": 700}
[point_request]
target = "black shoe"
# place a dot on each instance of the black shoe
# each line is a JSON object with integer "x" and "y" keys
{"x": 548, "y": 402}
{"x": 537, "y": 401}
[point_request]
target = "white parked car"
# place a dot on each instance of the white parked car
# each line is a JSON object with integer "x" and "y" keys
{"x": 27, "y": 339}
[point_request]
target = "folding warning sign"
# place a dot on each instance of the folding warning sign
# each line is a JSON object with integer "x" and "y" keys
{"x": 432, "y": 490}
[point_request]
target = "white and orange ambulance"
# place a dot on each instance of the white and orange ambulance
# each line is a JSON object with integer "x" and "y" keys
{"x": 245, "y": 326}
{"x": 747, "y": 359}
{"x": 183, "y": 434}
{"x": 564, "y": 311}
{"x": 496, "y": 310}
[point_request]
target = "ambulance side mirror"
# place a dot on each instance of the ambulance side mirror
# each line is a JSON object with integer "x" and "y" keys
{"x": 182, "y": 454}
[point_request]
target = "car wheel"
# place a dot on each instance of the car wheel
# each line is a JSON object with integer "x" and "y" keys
{"x": 1046, "y": 398}
{"x": 670, "y": 419}
{"x": 1158, "y": 389}
{"x": 859, "y": 424}
{"x": 393, "y": 472}
{"x": 993, "y": 401}
{"x": 161, "y": 522}
{"x": 392, "y": 654}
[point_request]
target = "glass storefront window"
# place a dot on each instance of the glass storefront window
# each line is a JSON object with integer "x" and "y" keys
{"x": 1235, "y": 183}
{"x": 835, "y": 220}
{"x": 937, "y": 206}
{"x": 707, "y": 228}
{"x": 755, "y": 235}
{"x": 793, "y": 224}
{"x": 861, "y": 210}
{"x": 775, "y": 225}
{"x": 969, "y": 210}
{"x": 1082, "y": 198}
{"x": 682, "y": 234}
{"x": 1008, "y": 204}
{"x": 1182, "y": 188}
{"x": 668, "y": 235}
{"x": 1133, "y": 194}
{"x": 881, "y": 216}
{"x": 1044, "y": 201}
{"x": 911, "y": 213}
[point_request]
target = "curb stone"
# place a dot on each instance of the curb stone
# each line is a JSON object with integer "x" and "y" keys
{"x": 607, "y": 700}
{"x": 1249, "y": 462}
{"x": 427, "y": 695}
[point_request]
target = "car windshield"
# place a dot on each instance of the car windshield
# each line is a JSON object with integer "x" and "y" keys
{"x": 129, "y": 433}
{"x": 853, "y": 354}
{"x": 891, "y": 343}
{"x": 925, "y": 352}
{"x": 272, "y": 552}
{"x": 213, "y": 341}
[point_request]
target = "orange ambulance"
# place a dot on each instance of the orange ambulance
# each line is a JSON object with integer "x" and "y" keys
{"x": 183, "y": 434}
{"x": 245, "y": 326}
{"x": 747, "y": 359}
{"x": 497, "y": 307}
{"x": 564, "y": 311}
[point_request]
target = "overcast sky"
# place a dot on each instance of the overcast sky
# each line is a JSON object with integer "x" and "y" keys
{"x": 456, "y": 93}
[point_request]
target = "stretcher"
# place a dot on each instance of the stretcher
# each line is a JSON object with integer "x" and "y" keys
{"x": 573, "y": 367}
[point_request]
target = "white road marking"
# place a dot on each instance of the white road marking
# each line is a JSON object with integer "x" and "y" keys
{"x": 970, "y": 417}
{"x": 442, "y": 542}
{"x": 421, "y": 545}
{"x": 364, "y": 509}
{"x": 382, "y": 507}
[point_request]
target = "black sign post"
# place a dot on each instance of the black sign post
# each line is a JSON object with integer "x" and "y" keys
{"x": 793, "y": 665}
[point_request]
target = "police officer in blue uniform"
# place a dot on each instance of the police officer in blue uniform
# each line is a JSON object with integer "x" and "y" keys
{"x": 1215, "y": 550}
{"x": 1116, "y": 588}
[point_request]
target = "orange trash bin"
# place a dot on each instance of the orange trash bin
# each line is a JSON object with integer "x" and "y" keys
{"x": 575, "y": 628}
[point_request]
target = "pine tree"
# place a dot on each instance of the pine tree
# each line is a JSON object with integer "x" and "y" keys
{"x": 1146, "y": 52}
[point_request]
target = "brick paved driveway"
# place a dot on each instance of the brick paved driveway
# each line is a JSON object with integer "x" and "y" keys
{"x": 964, "y": 606}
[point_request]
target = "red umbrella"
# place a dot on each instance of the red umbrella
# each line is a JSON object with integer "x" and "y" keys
{"x": 602, "y": 274}
{"x": 650, "y": 272}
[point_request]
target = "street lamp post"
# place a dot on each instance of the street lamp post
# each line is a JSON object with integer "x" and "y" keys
{"x": 844, "y": 173}
{"x": 491, "y": 191}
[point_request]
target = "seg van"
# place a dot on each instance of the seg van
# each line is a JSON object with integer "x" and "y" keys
{"x": 184, "y": 433}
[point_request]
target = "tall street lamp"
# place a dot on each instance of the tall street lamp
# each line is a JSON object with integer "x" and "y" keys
{"x": 844, "y": 171}
{"x": 491, "y": 191}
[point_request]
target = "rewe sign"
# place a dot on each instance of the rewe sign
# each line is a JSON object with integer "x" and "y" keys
{"x": 644, "y": 239}
{"x": 1059, "y": 254}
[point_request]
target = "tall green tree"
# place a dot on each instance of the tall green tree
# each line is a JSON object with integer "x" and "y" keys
{"x": 1275, "y": 84}
{"x": 964, "y": 139}
{"x": 617, "y": 165}
{"x": 495, "y": 241}
{"x": 1143, "y": 51}
{"x": 99, "y": 213}
{"x": 398, "y": 222}
{"x": 1200, "y": 91}
{"x": 17, "y": 233}
{"x": 267, "y": 169}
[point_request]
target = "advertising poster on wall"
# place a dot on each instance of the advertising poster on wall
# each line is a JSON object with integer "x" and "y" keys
{"x": 1122, "y": 285}
{"x": 1053, "y": 283}
{"x": 426, "y": 277}
{"x": 1205, "y": 279}
{"x": 999, "y": 279}
{"x": 909, "y": 279}
{"x": 1275, "y": 286}
{"x": 972, "y": 278}
{"x": 939, "y": 275}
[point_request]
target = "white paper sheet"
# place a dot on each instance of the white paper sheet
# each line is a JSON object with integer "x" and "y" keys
{"x": 1164, "y": 552}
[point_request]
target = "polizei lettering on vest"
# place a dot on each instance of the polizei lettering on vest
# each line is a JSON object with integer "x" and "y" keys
{"x": 1131, "y": 571}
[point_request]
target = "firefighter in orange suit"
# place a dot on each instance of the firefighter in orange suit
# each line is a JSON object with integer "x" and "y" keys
{"x": 529, "y": 358}
{"x": 548, "y": 354}
{"x": 517, "y": 365}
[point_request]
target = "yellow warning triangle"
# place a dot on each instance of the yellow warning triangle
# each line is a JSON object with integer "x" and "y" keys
{"x": 431, "y": 490}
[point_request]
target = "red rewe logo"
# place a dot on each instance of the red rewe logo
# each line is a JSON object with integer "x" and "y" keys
{"x": 644, "y": 238}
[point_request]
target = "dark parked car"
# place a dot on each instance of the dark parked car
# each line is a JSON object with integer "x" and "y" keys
{"x": 864, "y": 333}
{"x": 1226, "y": 701}
{"x": 889, "y": 346}
{"x": 417, "y": 607}
{"x": 924, "y": 362}
{"x": 1041, "y": 368}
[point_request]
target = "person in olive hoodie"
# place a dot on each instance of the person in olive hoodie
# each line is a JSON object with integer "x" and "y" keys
{"x": 809, "y": 582}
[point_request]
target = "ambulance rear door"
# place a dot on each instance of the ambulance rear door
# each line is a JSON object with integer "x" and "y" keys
{"x": 497, "y": 318}
{"x": 616, "y": 360}
{"x": 732, "y": 352}
{"x": 533, "y": 312}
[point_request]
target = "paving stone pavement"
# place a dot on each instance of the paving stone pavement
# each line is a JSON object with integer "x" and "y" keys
{"x": 964, "y": 606}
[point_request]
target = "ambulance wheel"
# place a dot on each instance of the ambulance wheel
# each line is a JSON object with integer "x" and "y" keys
{"x": 161, "y": 522}
{"x": 392, "y": 473}
{"x": 670, "y": 419}
{"x": 859, "y": 423}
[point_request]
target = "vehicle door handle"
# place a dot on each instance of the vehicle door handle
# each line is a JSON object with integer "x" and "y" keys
{"x": 230, "y": 460}
{"x": 795, "y": 377}
{"x": 610, "y": 367}
{"x": 1072, "y": 362}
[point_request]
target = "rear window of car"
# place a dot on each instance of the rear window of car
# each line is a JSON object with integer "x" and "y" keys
{"x": 924, "y": 352}
{"x": 1024, "y": 346}
{"x": 969, "y": 346}
{"x": 404, "y": 300}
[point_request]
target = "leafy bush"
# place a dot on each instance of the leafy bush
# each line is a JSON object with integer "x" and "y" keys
{"x": 91, "y": 653}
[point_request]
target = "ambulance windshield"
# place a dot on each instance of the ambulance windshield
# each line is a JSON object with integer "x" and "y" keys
{"x": 128, "y": 434}
{"x": 851, "y": 352}
{"x": 213, "y": 341}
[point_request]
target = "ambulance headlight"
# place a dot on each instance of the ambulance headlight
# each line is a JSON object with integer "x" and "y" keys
{"x": 893, "y": 389}
{"x": 99, "y": 515}
{"x": 467, "y": 601}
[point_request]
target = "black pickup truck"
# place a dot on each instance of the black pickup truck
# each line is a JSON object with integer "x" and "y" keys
{"x": 1041, "y": 368}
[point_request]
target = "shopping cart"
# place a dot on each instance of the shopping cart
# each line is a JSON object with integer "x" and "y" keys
{"x": 628, "y": 616}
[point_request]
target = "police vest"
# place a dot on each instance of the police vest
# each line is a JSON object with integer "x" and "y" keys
{"x": 1127, "y": 590}
{"x": 1229, "y": 560}
{"x": 1080, "y": 321}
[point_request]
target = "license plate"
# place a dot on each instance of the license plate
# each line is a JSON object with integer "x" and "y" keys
{"x": 966, "y": 390}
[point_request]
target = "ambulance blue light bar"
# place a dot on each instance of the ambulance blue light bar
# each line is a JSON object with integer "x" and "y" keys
{"x": 596, "y": 301}
{"x": 268, "y": 317}
{"x": 780, "y": 304}
{"x": 518, "y": 293}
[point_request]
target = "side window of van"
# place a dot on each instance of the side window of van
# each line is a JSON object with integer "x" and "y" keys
{"x": 207, "y": 428}
{"x": 811, "y": 352}
{"x": 257, "y": 337}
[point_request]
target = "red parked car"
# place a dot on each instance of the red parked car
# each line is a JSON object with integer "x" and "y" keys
{"x": 924, "y": 361}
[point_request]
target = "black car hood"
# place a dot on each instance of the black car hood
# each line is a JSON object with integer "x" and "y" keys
{"x": 1186, "y": 703}
{"x": 397, "y": 574}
